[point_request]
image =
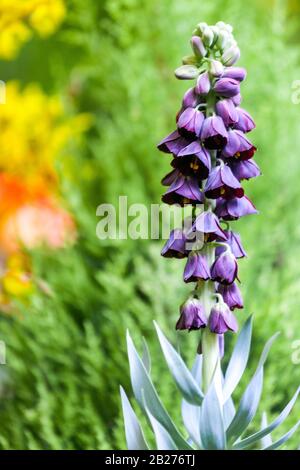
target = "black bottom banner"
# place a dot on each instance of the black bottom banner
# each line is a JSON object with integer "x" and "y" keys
{"x": 150, "y": 459}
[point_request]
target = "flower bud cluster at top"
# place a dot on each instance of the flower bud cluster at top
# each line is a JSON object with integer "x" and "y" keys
{"x": 211, "y": 155}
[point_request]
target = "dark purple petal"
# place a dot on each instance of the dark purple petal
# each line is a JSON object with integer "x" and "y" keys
{"x": 184, "y": 190}
{"x": 232, "y": 146}
{"x": 244, "y": 122}
{"x": 244, "y": 169}
{"x": 208, "y": 224}
{"x": 196, "y": 268}
{"x": 192, "y": 316}
{"x": 234, "y": 241}
{"x": 190, "y": 122}
{"x": 173, "y": 143}
{"x": 170, "y": 177}
{"x": 238, "y": 146}
{"x": 225, "y": 268}
{"x": 193, "y": 159}
{"x": 227, "y": 87}
{"x": 222, "y": 183}
{"x": 237, "y": 73}
{"x": 227, "y": 111}
{"x": 213, "y": 133}
{"x": 233, "y": 209}
{"x": 246, "y": 148}
{"x": 231, "y": 295}
{"x": 175, "y": 245}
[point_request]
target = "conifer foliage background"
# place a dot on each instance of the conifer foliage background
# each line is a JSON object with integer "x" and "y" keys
{"x": 114, "y": 59}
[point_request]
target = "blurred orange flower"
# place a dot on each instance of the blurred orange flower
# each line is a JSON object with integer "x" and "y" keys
{"x": 31, "y": 217}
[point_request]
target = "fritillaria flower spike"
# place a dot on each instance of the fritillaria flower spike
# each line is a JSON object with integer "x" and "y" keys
{"x": 211, "y": 154}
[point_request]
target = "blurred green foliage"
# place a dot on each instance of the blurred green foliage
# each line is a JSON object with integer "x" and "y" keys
{"x": 115, "y": 58}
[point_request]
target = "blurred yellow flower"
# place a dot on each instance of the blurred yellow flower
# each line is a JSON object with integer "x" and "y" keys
{"x": 19, "y": 18}
{"x": 16, "y": 280}
{"x": 34, "y": 130}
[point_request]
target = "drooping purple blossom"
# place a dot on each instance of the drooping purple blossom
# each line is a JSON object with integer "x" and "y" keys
{"x": 213, "y": 133}
{"x": 231, "y": 295}
{"x": 227, "y": 111}
{"x": 238, "y": 146}
{"x": 175, "y": 246}
{"x": 190, "y": 123}
{"x": 225, "y": 268}
{"x": 173, "y": 143}
{"x": 221, "y": 319}
{"x": 244, "y": 169}
{"x": 208, "y": 224}
{"x": 233, "y": 239}
{"x": 184, "y": 190}
{"x": 244, "y": 122}
{"x": 233, "y": 209}
{"x": 193, "y": 159}
{"x": 222, "y": 183}
{"x": 192, "y": 316}
{"x": 196, "y": 268}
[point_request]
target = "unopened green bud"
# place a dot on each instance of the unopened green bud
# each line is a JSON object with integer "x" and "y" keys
{"x": 231, "y": 56}
{"x": 187, "y": 72}
{"x": 216, "y": 68}
{"x": 189, "y": 60}
{"x": 228, "y": 28}
{"x": 223, "y": 38}
{"x": 201, "y": 26}
{"x": 208, "y": 36}
{"x": 216, "y": 31}
{"x": 221, "y": 24}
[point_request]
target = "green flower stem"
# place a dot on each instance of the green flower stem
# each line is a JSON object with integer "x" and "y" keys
{"x": 209, "y": 341}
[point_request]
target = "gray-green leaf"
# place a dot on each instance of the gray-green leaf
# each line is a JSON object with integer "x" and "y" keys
{"x": 238, "y": 361}
{"x": 191, "y": 413}
{"x": 146, "y": 358}
{"x": 247, "y": 407}
{"x": 268, "y": 428}
{"x": 283, "y": 439}
{"x": 211, "y": 423}
{"x": 134, "y": 435}
{"x": 181, "y": 374}
{"x": 250, "y": 399}
{"x": 266, "y": 440}
{"x": 142, "y": 386}
{"x": 163, "y": 439}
